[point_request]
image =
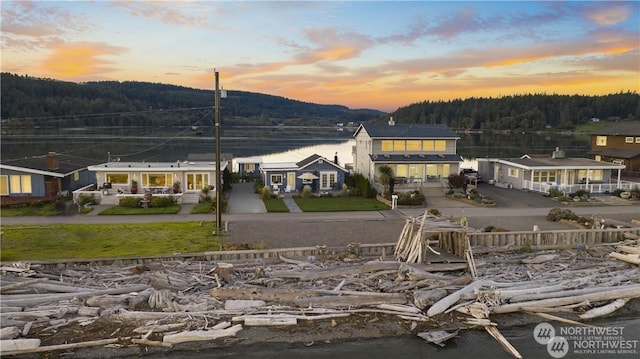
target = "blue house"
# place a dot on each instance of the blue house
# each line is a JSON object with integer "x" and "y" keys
{"x": 248, "y": 166}
{"x": 314, "y": 171}
{"x": 43, "y": 178}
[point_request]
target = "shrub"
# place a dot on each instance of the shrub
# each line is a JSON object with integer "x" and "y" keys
{"x": 306, "y": 192}
{"x": 162, "y": 201}
{"x": 413, "y": 198}
{"x": 555, "y": 193}
{"x": 130, "y": 202}
{"x": 556, "y": 214}
{"x": 265, "y": 193}
{"x": 344, "y": 192}
{"x": 86, "y": 199}
{"x": 435, "y": 212}
{"x": 457, "y": 181}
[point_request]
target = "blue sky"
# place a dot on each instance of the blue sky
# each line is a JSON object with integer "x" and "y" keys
{"x": 361, "y": 54}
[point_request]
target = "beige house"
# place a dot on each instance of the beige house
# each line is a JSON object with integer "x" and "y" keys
{"x": 417, "y": 153}
{"x": 115, "y": 179}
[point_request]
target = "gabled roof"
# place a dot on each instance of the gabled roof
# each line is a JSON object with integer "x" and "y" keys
{"x": 415, "y": 158}
{"x": 316, "y": 158}
{"x": 417, "y": 131}
{"x": 622, "y": 128}
{"x": 66, "y": 165}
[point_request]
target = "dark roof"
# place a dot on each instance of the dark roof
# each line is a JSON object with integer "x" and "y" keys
{"x": 66, "y": 164}
{"x": 622, "y": 128}
{"x": 208, "y": 156}
{"x": 408, "y": 131}
{"x": 415, "y": 158}
{"x": 618, "y": 153}
{"x": 314, "y": 158}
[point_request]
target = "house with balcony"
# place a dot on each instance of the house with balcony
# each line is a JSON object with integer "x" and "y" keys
{"x": 618, "y": 143}
{"x": 43, "y": 178}
{"x": 314, "y": 171}
{"x": 418, "y": 154}
{"x": 541, "y": 173}
{"x": 114, "y": 179}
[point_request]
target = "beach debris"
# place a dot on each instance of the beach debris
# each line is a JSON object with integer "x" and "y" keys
{"x": 438, "y": 336}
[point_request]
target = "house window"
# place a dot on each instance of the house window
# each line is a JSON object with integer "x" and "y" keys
{"x": 76, "y": 176}
{"x": 398, "y": 145}
{"x": 637, "y": 139}
{"x": 440, "y": 145}
{"x": 598, "y": 158}
{"x": 197, "y": 181}
{"x": 628, "y": 139}
{"x": 4, "y": 185}
{"x": 415, "y": 171}
{"x": 20, "y": 184}
{"x": 512, "y": 172}
{"x": 594, "y": 175}
{"x": 118, "y": 178}
{"x": 544, "y": 176}
{"x": 276, "y": 179}
{"x": 387, "y": 145}
{"x": 601, "y": 140}
{"x": 427, "y": 145}
{"x": 413, "y": 145}
{"x": 157, "y": 179}
{"x": 250, "y": 167}
{"x": 402, "y": 171}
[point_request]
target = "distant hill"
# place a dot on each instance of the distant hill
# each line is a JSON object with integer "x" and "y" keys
{"x": 524, "y": 112}
{"x": 53, "y": 103}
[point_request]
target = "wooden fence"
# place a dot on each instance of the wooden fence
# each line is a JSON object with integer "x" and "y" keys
{"x": 455, "y": 242}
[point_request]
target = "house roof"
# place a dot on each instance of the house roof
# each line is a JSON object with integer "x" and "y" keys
{"x": 420, "y": 131}
{"x": 415, "y": 158}
{"x": 208, "y": 156}
{"x": 618, "y": 153}
{"x": 292, "y": 166}
{"x": 248, "y": 160}
{"x": 622, "y": 128}
{"x": 316, "y": 158}
{"x": 38, "y": 164}
{"x": 558, "y": 163}
{"x": 178, "y": 166}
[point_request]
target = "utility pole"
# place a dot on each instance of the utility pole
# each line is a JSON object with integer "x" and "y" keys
{"x": 218, "y": 159}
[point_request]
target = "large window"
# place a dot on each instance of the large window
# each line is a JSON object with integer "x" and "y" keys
{"x": 386, "y": 145}
{"x": 157, "y": 179}
{"x": 594, "y": 175}
{"x": 4, "y": 185}
{"x": 601, "y": 140}
{"x": 402, "y": 171}
{"x": 512, "y": 172}
{"x": 20, "y": 184}
{"x": 544, "y": 176}
{"x": 414, "y": 145}
{"x": 118, "y": 178}
{"x": 276, "y": 179}
{"x": 197, "y": 181}
{"x": 399, "y": 145}
{"x": 428, "y": 145}
{"x": 440, "y": 145}
{"x": 249, "y": 167}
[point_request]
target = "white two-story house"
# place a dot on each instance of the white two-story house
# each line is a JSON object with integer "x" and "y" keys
{"x": 417, "y": 153}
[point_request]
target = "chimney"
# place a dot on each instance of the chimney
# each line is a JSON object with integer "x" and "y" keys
{"x": 391, "y": 122}
{"x": 557, "y": 153}
{"x": 52, "y": 161}
{"x": 335, "y": 158}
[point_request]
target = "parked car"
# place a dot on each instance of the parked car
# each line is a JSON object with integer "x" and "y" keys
{"x": 471, "y": 174}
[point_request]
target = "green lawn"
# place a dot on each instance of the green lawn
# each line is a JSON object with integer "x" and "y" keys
{"x": 337, "y": 204}
{"x": 275, "y": 204}
{"x": 38, "y": 209}
{"x": 591, "y": 126}
{"x": 116, "y": 210}
{"x": 64, "y": 241}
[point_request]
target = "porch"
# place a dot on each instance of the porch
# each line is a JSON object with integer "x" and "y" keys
{"x": 112, "y": 196}
{"x": 593, "y": 187}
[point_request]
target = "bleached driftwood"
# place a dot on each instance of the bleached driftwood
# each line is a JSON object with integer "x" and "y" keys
{"x": 444, "y": 303}
{"x": 629, "y": 258}
{"x": 9, "y": 287}
{"x": 349, "y": 300}
{"x": 45, "y": 298}
{"x": 201, "y": 335}
{"x": 49, "y": 348}
{"x": 605, "y": 309}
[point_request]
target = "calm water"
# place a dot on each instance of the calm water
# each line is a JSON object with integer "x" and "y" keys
{"x": 279, "y": 143}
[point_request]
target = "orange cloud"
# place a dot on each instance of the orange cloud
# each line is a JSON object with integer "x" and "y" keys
{"x": 79, "y": 59}
{"x": 608, "y": 13}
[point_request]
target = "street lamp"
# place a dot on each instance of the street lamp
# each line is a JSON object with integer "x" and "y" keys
{"x": 218, "y": 95}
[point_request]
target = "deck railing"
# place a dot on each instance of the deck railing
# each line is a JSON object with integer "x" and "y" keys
{"x": 591, "y": 187}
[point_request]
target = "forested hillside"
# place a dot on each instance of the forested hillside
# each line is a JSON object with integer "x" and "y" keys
{"x": 29, "y": 102}
{"x": 526, "y": 112}
{"x": 53, "y": 103}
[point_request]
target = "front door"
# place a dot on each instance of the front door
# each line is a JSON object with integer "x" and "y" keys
{"x": 291, "y": 181}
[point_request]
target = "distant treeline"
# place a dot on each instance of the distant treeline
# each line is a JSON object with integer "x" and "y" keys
{"x": 52, "y": 103}
{"x": 525, "y": 112}
{"x": 28, "y": 102}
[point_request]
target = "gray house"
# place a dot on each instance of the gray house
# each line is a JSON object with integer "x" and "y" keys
{"x": 556, "y": 171}
{"x": 315, "y": 171}
{"x": 43, "y": 178}
{"x": 417, "y": 153}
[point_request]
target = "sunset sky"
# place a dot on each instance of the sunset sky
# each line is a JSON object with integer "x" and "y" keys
{"x": 380, "y": 55}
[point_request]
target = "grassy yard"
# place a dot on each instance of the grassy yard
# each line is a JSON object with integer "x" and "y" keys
{"x": 337, "y": 204}
{"x": 116, "y": 210}
{"x": 275, "y": 205}
{"x": 64, "y": 241}
{"x": 40, "y": 209}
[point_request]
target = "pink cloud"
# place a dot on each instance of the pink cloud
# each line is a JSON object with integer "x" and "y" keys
{"x": 608, "y": 13}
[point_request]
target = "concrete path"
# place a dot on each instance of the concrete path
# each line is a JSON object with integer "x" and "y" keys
{"x": 291, "y": 204}
{"x": 243, "y": 199}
